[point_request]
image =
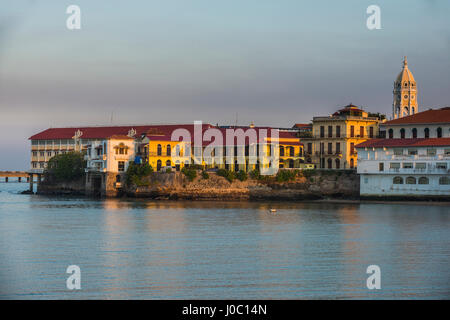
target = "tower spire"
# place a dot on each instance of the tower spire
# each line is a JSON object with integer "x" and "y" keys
{"x": 405, "y": 62}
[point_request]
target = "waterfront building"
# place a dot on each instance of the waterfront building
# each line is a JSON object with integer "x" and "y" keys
{"x": 405, "y": 93}
{"x": 154, "y": 145}
{"x": 404, "y": 167}
{"x": 331, "y": 143}
{"x": 412, "y": 158}
{"x": 106, "y": 163}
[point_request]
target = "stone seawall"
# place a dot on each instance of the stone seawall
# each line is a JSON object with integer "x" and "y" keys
{"x": 316, "y": 185}
{"x": 62, "y": 188}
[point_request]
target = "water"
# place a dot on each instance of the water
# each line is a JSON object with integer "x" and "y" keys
{"x": 220, "y": 250}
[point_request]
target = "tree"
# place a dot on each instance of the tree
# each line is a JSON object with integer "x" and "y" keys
{"x": 65, "y": 167}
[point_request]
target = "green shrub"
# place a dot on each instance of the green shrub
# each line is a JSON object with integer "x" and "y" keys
{"x": 168, "y": 170}
{"x": 255, "y": 174}
{"x": 189, "y": 173}
{"x": 286, "y": 175}
{"x": 65, "y": 167}
{"x": 136, "y": 173}
{"x": 241, "y": 175}
{"x": 205, "y": 175}
{"x": 227, "y": 174}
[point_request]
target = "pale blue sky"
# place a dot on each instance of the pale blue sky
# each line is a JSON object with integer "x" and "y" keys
{"x": 274, "y": 62}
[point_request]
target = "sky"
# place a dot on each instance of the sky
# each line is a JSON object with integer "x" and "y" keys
{"x": 271, "y": 62}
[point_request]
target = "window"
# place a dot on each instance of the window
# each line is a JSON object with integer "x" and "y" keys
{"x": 414, "y": 133}
{"x": 42, "y": 154}
{"x": 352, "y": 148}
{"x": 352, "y": 163}
{"x": 398, "y": 180}
{"x": 439, "y": 132}
{"x": 168, "y": 150}
{"x": 407, "y": 165}
{"x": 410, "y": 180}
{"x": 309, "y": 147}
{"x": 34, "y": 165}
{"x": 34, "y": 153}
{"x": 361, "y": 131}
{"x": 381, "y": 166}
{"x": 158, "y": 165}
{"x": 444, "y": 180}
{"x": 398, "y": 152}
{"x": 121, "y": 166}
{"x": 338, "y": 131}
{"x": 431, "y": 152}
{"x": 366, "y": 180}
{"x": 394, "y": 165}
{"x": 338, "y": 163}
{"x": 412, "y": 152}
{"x": 330, "y": 164}
{"x": 159, "y": 150}
{"x": 330, "y": 131}
{"x": 402, "y": 133}
{"x": 338, "y": 147}
{"x": 168, "y": 163}
{"x": 441, "y": 165}
{"x": 391, "y": 134}
{"x": 424, "y": 180}
{"x": 447, "y": 152}
{"x": 322, "y": 148}
{"x": 281, "y": 151}
{"x": 352, "y": 131}
{"x": 371, "y": 132}
{"x": 426, "y": 132}
{"x": 322, "y": 131}
{"x": 330, "y": 148}
{"x": 421, "y": 165}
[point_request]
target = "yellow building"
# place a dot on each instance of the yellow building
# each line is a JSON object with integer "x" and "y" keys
{"x": 161, "y": 152}
{"x": 332, "y": 142}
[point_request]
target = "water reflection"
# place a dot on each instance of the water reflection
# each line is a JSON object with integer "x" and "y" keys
{"x": 134, "y": 248}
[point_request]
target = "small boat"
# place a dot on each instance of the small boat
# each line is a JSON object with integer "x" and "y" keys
{"x": 273, "y": 210}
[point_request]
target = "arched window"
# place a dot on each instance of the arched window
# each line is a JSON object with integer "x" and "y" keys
{"x": 159, "y": 150}
{"x": 330, "y": 164}
{"x": 410, "y": 180}
{"x": 168, "y": 163}
{"x": 439, "y": 132}
{"x": 413, "y": 110}
{"x": 291, "y": 151}
{"x": 338, "y": 163}
{"x": 414, "y": 133}
{"x": 169, "y": 150}
{"x": 158, "y": 165}
{"x": 426, "y": 132}
{"x": 424, "y": 180}
{"x": 352, "y": 163}
{"x": 391, "y": 134}
{"x": 444, "y": 180}
{"x": 291, "y": 163}
{"x": 281, "y": 151}
{"x": 402, "y": 133}
{"x": 177, "y": 151}
{"x": 398, "y": 180}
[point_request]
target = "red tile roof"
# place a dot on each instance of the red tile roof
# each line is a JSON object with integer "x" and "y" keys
{"x": 430, "y": 116}
{"x": 107, "y": 131}
{"x": 302, "y": 125}
{"x": 420, "y": 142}
{"x": 155, "y": 132}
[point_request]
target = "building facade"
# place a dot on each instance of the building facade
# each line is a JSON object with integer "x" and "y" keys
{"x": 405, "y": 167}
{"x": 412, "y": 158}
{"x": 331, "y": 144}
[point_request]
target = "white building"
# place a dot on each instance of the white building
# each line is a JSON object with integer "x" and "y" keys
{"x": 404, "y": 167}
{"x": 107, "y": 161}
{"x": 412, "y": 160}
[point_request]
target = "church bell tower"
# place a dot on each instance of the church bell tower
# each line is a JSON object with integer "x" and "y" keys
{"x": 405, "y": 94}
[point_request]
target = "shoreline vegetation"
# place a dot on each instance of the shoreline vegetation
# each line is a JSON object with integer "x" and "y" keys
{"x": 193, "y": 183}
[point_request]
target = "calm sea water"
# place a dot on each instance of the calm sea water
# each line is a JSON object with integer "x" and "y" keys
{"x": 220, "y": 250}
